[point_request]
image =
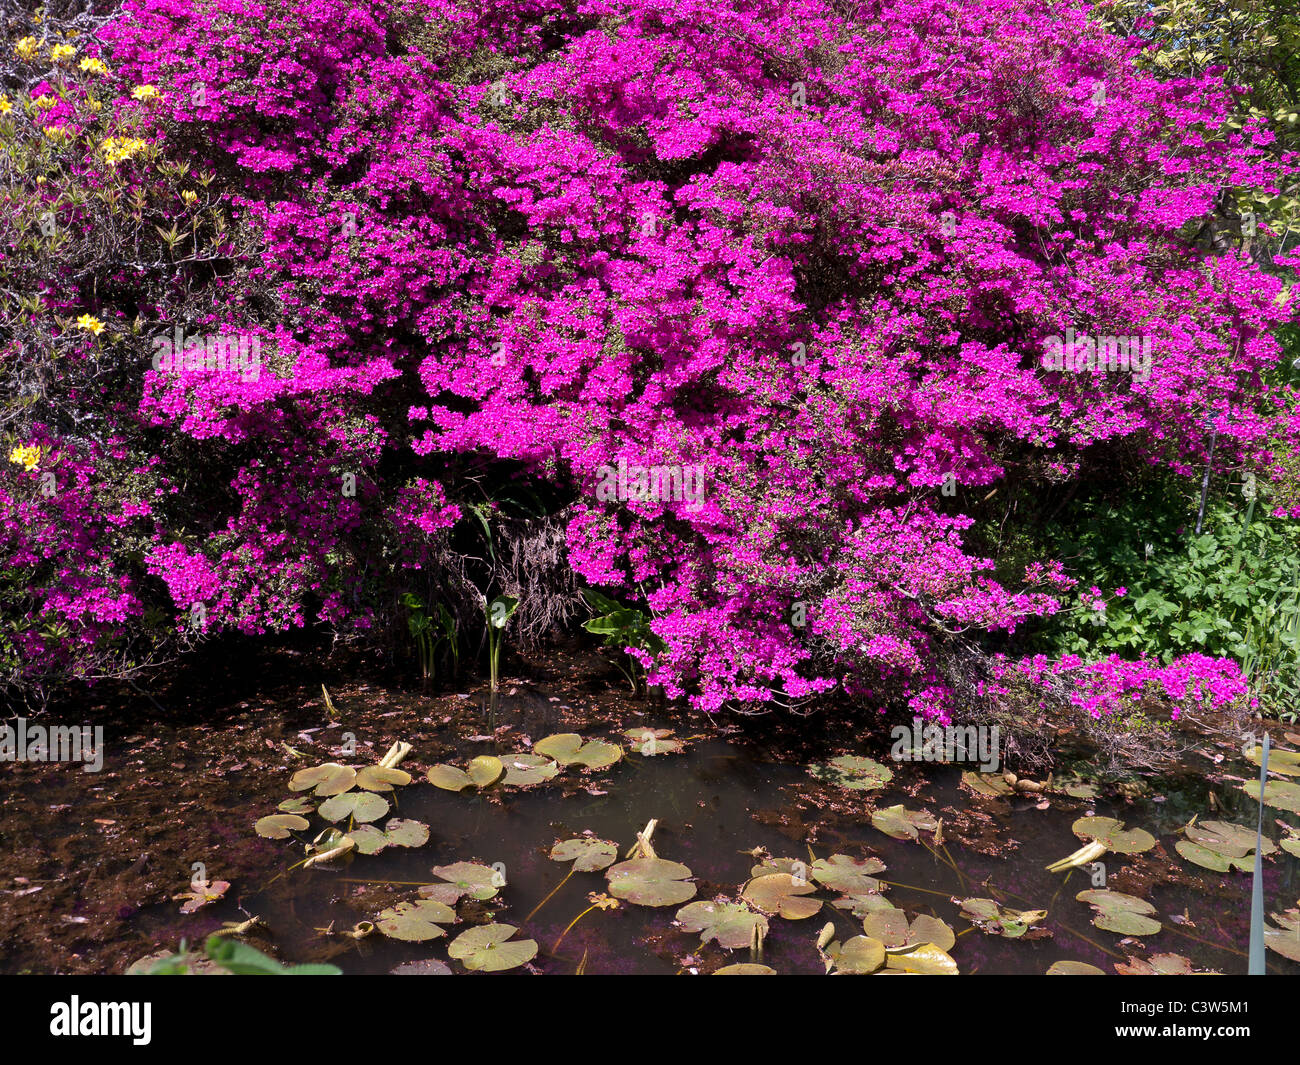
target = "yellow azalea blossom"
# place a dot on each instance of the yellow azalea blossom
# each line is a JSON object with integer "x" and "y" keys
{"x": 61, "y": 52}
{"x": 91, "y": 323}
{"x": 58, "y": 134}
{"x": 93, "y": 105}
{"x": 93, "y": 66}
{"x": 118, "y": 148}
{"x": 25, "y": 456}
{"x": 144, "y": 92}
{"x": 190, "y": 197}
{"x": 26, "y": 48}
{"x": 5, "y": 105}
{"x": 45, "y": 101}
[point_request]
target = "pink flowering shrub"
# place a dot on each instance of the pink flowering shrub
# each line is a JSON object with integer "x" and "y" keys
{"x": 792, "y": 270}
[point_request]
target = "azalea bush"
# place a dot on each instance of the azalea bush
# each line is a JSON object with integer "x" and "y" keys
{"x": 767, "y": 295}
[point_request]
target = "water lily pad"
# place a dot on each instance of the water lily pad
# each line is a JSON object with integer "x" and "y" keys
{"x": 926, "y": 960}
{"x": 847, "y": 875}
{"x": 525, "y": 769}
{"x": 1159, "y": 965}
{"x": 745, "y": 968}
{"x": 892, "y": 928}
{"x": 415, "y": 921}
{"x": 730, "y": 924}
{"x": 484, "y": 770}
{"x": 903, "y": 824}
{"x": 1218, "y": 845}
{"x": 449, "y": 778}
{"x": 1117, "y": 912}
{"x": 857, "y": 956}
{"x": 988, "y": 916}
{"x": 1079, "y": 789}
{"x": 489, "y": 948}
{"x": 1114, "y": 835}
{"x": 403, "y": 832}
{"x": 278, "y": 826}
{"x": 423, "y": 967}
{"x": 1286, "y": 939}
{"x": 477, "y": 881}
{"x": 781, "y": 894}
{"x": 299, "y": 804}
{"x": 650, "y": 882}
{"x": 652, "y": 741}
{"x": 328, "y": 779}
{"x": 853, "y": 772}
{"x": 202, "y": 893}
{"x": 794, "y": 867}
{"x": 861, "y": 903}
{"x": 990, "y": 785}
{"x": 359, "y": 805}
{"x": 330, "y": 847}
{"x": 587, "y": 853}
{"x": 1291, "y": 844}
{"x": 1074, "y": 968}
{"x": 369, "y": 839}
{"x": 1280, "y": 760}
{"x": 381, "y": 778}
{"x": 568, "y": 748}
{"x": 1280, "y": 794}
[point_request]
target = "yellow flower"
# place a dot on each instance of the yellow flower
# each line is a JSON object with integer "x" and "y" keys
{"x": 144, "y": 92}
{"x": 45, "y": 101}
{"x": 61, "y": 52}
{"x": 58, "y": 134}
{"x": 93, "y": 66}
{"x": 190, "y": 197}
{"x": 93, "y": 105}
{"x": 118, "y": 148}
{"x": 90, "y": 323}
{"x": 5, "y": 105}
{"x": 25, "y": 456}
{"x": 26, "y": 48}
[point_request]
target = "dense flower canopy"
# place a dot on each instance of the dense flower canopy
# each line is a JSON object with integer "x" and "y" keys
{"x": 813, "y": 253}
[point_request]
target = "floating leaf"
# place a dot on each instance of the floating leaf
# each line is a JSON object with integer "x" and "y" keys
{"x": 202, "y": 893}
{"x": 988, "y": 916}
{"x": 489, "y": 948}
{"x": 300, "y": 804}
{"x": 1280, "y": 760}
{"x": 423, "y": 967}
{"x": 731, "y": 924}
{"x": 403, "y": 832}
{"x": 927, "y": 960}
{"x": 1218, "y": 845}
{"x": 746, "y": 968}
{"x": 780, "y": 894}
{"x": 381, "y": 778}
{"x": 329, "y": 847}
{"x": 848, "y": 875}
{"x": 990, "y": 785}
{"x": 862, "y": 903}
{"x": 484, "y": 770}
{"x": 449, "y": 778}
{"x": 591, "y": 854}
{"x": 359, "y": 805}
{"x": 1117, "y": 912}
{"x": 525, "y": 769}
{"x": 853, "y": 772}
{"x": 1114, "y": 835}
{"x": 416, "y": 921}
{"x": 278, "y": 826}
{"x": 1079, "y": 789}
{"x": 1074, "y": 968}
{"x": 891, "y": 927}
{"x": 650, "y": 882}
{"x": 652, "y": 741}
{"x": 328, "y": 779}
{"x": 1292, "y": 842}
{"x": 1159, "y": 965}
{"x": 369, "y": 839}
{"x": 857, "y": 956}
{"x": 903, "y": 824}
{"x": 1280, "y": 794}
{"x": 568, "y": 748}
{"x": 477, "y": 881}
{"x": 1284, "y": 940}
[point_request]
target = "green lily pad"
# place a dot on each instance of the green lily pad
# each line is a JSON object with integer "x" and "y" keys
{"x": 568, "y": 748}
{"x": 926, "y": 960}
{"x": 403, "y": 832}
{"x": 1117, "y": 912}
{"x": 328, "y": 779}
{"x": 299, "y": 804}
{"x": 730, "y": 924}
{"x": 794, "y": 867}
{"x": 857, "y": 956}
{"x": 278, "y": 826}
{"x": 449, "y": 778}
{"x": 988, "y": 916}
{"x": 1218, "y": 845}
{"x": 650, "y": 882}
{"x": 861, "y": 903}
{"x": 332, "y": 839}
{"x": 525, "y": 769}
{"x": 359, "y": 805}
{"x": 1280, "y": 794}
{"x": 477, "y": 881}
{"x": 1280, "y": 760}
{"x": 781, "y": 894}
{"x": 745, "y": 968}
{"x": 415, "y": 922}
{"x": 369, "y": 839}
{"x": 489, "y": 948}
{"x": 847, "y": 875}
{"x": 484, "y": 770}
{"x": 587, "y": 853}
{"x": 1159, "y": 965}
{"x": 1286, "y": 939}
{"x": 381, "y": 778}
{"x": 652, "y": 741}
{"x": 892, "y": 928}
{"x": 903, "y": 824}
{"x": 853, "y": 772}
{"x": 1291, "y": 844}
{"x": 1114, "y": 835}
{"x": 1080, "y": 789}
{"x": 1074, "y": 968}
{"x": 990, "y": 785}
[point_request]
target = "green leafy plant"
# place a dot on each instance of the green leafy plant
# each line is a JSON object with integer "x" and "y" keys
{"x": 235, "y": 958}
{"x": 622, "y": 627}
{"x": 430, "y": 633}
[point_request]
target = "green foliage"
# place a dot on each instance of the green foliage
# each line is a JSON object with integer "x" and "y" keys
{"x": 236, "y": 958}
{"x": 622, "y": 627}
{"x": 430, "y": 633}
